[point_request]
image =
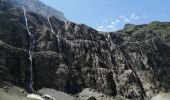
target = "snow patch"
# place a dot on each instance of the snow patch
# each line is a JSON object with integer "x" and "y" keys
{"x": 34, "y": 96}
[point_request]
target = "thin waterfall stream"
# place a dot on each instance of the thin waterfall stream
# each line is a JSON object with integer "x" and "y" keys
{"x": 51, "y": 29}
{"x": 57, "y": 36}
{"x": 30, "y": 51}
{"x": 137, "y": 80}
{"x": 135, "y": 75}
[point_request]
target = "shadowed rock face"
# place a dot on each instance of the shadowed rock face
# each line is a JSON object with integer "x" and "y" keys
{"x": 132, "y": 62}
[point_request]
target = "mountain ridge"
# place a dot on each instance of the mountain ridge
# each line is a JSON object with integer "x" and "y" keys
{"x": 69, "y": 57}
{"x": 38, "y": 7}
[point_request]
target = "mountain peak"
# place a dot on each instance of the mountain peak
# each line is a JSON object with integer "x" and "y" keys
{"x": 38, "y": 7}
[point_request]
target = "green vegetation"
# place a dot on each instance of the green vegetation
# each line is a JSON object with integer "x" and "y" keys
{"x": 162, "y": 29}
{"x": 147, "y": 31}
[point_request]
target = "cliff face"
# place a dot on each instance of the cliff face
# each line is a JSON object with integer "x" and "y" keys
{"x": 38, "y": 7}
{"x": 132, "y": 62}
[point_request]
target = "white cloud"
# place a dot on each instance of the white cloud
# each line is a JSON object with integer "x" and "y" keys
{"x": 108, "y": 25}
{"x": 131, "y": 18}
{"x": 112, "y": 25}
{"x": 100, "y": 26}
{"x": 115, "y": 21}
{"x": 100, "y": 29}
{"x": 114, "y": 29}
{"x": 126, "y": 20}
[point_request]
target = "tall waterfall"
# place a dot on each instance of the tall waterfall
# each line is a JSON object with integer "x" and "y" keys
{"x": 57, "y": 36}
{"x": 31, "y": 44}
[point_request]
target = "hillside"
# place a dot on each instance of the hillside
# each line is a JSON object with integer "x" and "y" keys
{"x": 38, "y": 52}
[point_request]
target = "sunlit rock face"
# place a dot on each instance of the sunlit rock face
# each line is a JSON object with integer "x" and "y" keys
{"x": 38, "y": 7}
{"x": 132, "y": 62}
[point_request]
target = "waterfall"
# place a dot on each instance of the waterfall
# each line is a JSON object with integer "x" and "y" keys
{"x": 109, "y": 39}
{"x": 135, "y": 75}
{"x": 110, "y": 44}
{"x": 57, "y": 36}
{"x": 59, "y": 43}
{"x": 58, "y": 39}
{"x": 51, "y": 29}
{"x": 31, "y": 43}
{"x": 96, "y": 63}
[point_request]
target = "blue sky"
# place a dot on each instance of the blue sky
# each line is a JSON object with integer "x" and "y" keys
{"x": 110, "y": 15}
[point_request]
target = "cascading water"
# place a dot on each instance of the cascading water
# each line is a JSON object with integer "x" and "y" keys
{"x": 96, "y": 62}
{"x": 57, "y": 36}
{"x": 31, "y": 44}
{"x": 135, "y": 75}
{"x": 51, "y": 29}
{"x": 58, "y": 40}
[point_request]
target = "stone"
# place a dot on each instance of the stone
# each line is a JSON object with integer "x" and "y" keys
{"x": 92, "y": 98}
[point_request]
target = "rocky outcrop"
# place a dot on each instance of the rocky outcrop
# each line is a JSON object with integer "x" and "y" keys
{"x": 132, "y": 62}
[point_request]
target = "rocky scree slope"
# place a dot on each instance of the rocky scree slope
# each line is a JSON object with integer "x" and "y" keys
{"x": 132, "y": 62}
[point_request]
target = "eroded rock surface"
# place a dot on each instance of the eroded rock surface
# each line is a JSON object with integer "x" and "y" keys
{"x": 132, "y": 62}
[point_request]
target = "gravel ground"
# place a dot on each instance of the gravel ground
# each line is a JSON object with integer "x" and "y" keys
{"x": 162, "y": 96}
{"x": 4, "y": 95}
{"x": 11, "y": 92}
{"x": 84, "y": 95}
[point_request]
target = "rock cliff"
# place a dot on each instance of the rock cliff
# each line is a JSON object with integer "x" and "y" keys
{"x": 132, "y": 62}
{"x": 38, "y": 7}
